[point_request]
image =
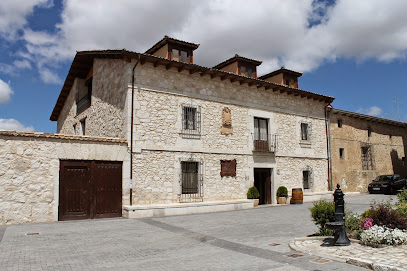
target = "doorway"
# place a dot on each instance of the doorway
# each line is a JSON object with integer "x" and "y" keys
{"x": 90, "y": 189}
{"x": 262, "y": 181}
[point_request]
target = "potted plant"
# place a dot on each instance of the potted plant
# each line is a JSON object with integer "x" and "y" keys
{"x": 253, "y": 194}
{"x": 282, "y": 194}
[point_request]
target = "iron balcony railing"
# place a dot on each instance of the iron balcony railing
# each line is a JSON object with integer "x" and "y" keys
{"x": 264, "y": 142}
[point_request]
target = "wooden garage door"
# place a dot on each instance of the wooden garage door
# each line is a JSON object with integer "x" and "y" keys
{"x": 90, "y": 189}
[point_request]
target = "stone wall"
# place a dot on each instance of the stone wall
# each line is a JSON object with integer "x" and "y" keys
{"x": 29, "y": 172}
{"x": 158, "y": 177}
{"x": 388, "y": 142}
{"x": 106, "y": 116}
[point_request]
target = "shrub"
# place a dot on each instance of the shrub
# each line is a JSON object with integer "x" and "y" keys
{"x": 383, "y": 215}
{"x": 253, "y": 193}
{"x": 323, "y": 212}
{"x": 367, "y": 214}
{"x": 282, "y": 192}
{"x": 402, "y": 209}
{"x": 382, "y": 235}
{"x": 351, "y": 221}
{"x": 402, "y": 196}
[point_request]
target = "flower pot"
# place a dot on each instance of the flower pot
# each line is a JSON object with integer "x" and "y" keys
{"x": 256, "y": 202}
{"x": 282, "y": 200}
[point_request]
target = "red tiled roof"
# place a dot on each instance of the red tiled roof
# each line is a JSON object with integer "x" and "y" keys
{"x": 62, "y": 136}
{"x": 367, "y": 117}
{"x": 281, "y": 70}
{"x": 167, "y": 39}
{"x": 83, "y": 61}
{"x": 237, "y": 58}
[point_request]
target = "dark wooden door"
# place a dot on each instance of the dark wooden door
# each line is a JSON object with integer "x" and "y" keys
{"x": 262, "y": 181}
{"x": 108, "y": 186}
{"x": 74, "y": 190}
{"x": 90, "y": 189}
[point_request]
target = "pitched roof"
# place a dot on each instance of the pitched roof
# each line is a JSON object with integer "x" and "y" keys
{"x": 281, "y": 70}
{"x": 167, "y": 39}
{"x": 237, "y": 58}
{"x": 83, "y": 61}
{"x": 367, "y": 117}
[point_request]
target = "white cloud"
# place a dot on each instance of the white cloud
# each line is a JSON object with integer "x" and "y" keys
{"x": 14, "y": 125}
{"x": 5, "y": 92}
{"x": 49, "y": 77}
{"x": 277, "y": 32}
{"x": 22, "y": 64}
{"x": 372, "y": 111}
{"x": 13, "y": 15}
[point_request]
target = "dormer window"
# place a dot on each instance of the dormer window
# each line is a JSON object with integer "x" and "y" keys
{"x": 283, "y": 76}
{"x": 174, "y": 49}
{"x": 240, "y": 65}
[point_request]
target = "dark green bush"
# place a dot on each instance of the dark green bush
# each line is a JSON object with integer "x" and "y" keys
{"x": 282, "y": 192}
{"x": 253, "y": 193}
{"x": 323, "y": 212}
{"x": 402, "y": 196}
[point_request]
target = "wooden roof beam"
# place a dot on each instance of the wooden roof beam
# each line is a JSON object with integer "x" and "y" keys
{"x": 213, "y": 75}
{"x": 143, "y": 61}
{"x": 169, "y": 66}
{"x": 180, "y": 69}
{"x": 156, "y": 63}
{"x": 204, "y": 72}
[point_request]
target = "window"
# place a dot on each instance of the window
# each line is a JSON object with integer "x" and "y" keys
{"x": 367, "y": 158}
{"x": 191, "y": 120}
{"x": 339, "y": 123}
{"x": 304, "y": 131}
{"x": 180, "y": 55}
{"x": 228, "y": 168}
{"x": 83, "y": 96}
{"x": 287, "y": 82}
{"x": 249, "y": 71}
{"x": 190, "y": 177}
{"x": 342, "y": 153}
{"x": 306, "y": 179}
{"x": 369, "y": 132}
{"x": 260, "y": 135}
{"x": 74, "y": 129}
{"x": 83, "y": 126}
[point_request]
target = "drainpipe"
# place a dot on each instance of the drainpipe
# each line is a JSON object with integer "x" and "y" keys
{"x": 131, "y": 130}
{"x": 328, "y": 144}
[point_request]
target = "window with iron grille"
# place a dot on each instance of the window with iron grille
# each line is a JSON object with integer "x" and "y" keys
{"x": 190, "y": 177}
{"x": 367, "y": 158}
{"x": 261, "y": 135}
{"x": 306, "y": 179}
{"x": 191, "y": 120}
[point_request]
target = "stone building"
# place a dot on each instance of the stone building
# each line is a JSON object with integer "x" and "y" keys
{"x": 363, "y": 147}
{"x": 195, "y": 136}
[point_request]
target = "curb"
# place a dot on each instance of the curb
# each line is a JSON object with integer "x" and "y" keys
{"x": 353, "y": 261}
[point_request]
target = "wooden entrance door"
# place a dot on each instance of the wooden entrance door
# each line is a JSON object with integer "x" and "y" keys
{"x": 262, "y": 181}
{"x": 90, "y": 189}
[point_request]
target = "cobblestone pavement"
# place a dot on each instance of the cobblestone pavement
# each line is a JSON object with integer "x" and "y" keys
{"x": 255, "y": 239}
{"x": 386, "y": 258}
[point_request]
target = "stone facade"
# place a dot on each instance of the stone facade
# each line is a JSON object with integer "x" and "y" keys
{"x": 160, "y": 145}
{"x": 387, "y": 143}
{"x": 29, "y": 172}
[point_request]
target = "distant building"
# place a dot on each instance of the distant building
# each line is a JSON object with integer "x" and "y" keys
{"x": 363, "y": 147}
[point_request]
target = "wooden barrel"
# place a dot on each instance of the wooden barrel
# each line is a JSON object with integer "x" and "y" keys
{"x": 297, "y": 196}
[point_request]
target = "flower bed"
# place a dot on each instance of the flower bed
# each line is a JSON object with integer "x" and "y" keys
{"x": 380, "y": 235}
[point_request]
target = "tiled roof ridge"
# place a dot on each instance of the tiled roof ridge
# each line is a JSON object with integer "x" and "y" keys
{"x": 153, "y": 48}
{"x": 364, "y": 116}
{"x": 236, "y": 56}
{"x": 61, "y": 136}
{"x": 282, "y": 69}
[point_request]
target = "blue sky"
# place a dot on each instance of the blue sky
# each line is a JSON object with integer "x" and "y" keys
{"x": 340, "y": 47}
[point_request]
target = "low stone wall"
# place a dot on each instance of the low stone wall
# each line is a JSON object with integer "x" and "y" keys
{"x": 29, "y": 172}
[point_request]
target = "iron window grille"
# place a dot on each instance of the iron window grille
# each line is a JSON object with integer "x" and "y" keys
{"x": 191, "y": 120}
{"x": 367, "y": 158}
{"x": 191, "y": 181}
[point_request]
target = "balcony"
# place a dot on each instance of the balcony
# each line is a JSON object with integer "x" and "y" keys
{"x": 264, "y": 142}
